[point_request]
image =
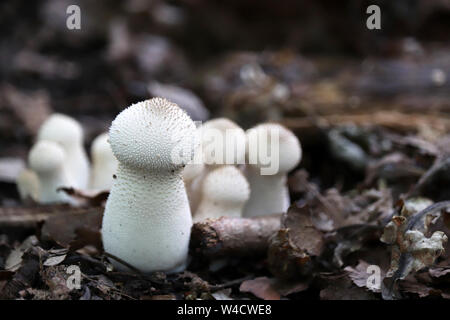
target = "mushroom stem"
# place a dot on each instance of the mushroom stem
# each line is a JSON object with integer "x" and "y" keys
{"x": 147, "y": 220}
{"x": 128, "y": 217}
{"x": 273, "y": 188}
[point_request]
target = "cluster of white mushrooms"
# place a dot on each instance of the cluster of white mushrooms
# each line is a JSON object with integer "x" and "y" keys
{"x": 58, "y": 159}
{"x": 167, "y": 177}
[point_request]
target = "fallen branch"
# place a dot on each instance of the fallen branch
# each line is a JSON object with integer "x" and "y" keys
{"x": 27, "y": 217}
{"x": 233, "y": 236}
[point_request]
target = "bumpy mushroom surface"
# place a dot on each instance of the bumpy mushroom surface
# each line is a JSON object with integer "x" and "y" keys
{"x": 147, "y": 220}
{"x": 69, "y": 134}
{"x": 269, "y": 193}
{"x": 225, "y": 192}
{"x": 104, "y": 163}
{"x": 46, "y": 159}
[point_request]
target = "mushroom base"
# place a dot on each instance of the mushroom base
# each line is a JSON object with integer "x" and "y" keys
{"x": 268, "y": 195}
{"x": 147, "y": 220}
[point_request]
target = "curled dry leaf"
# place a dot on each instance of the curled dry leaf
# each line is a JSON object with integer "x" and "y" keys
{"x": 261, "y": 287}
{"x": 55, "y": 260}
{"x": 87, "y": 198}
{"x": 75, "y": 228}
{"x": 291, "y": 248}
{"x": 411, "y": 249}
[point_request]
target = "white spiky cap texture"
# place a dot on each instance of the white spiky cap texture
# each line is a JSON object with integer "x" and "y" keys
{"x": 290, "y": 150}
{"x": 167, "y": 136}
{"x": 236, "y": 134}
{"x": 226, "y": 186}
{"x": 62, "y": 129}
{"x": 46, "y": 157}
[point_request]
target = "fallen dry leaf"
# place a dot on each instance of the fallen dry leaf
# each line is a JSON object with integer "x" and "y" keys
{"x": 67, "y": 228}
{"x": 360, "y": 275}
{"x": 411, "y": 249}
{"x": 261, "y": 287}
{"x": 86, "y": 198}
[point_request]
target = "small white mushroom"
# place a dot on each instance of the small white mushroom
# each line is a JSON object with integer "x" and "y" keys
{"x": 147, "y": 220}
{"x": 28, "y": 185}
{"x": 46, "y": 159}
{"x": 225, "y": 192}
{"x": 269, "y": 192}
{"x": 104, "y": 163}
{"x": 69, "y": 134}
{"x": 222, "y": 144}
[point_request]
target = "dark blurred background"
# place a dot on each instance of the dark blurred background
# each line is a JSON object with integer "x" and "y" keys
{"x": 251, "y": 60}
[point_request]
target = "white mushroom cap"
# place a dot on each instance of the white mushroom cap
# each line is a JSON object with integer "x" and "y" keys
{"x": 147, "y": 220}
{"x": 154, "y": 134}
{"x": 290, "y": 151}
{"x": 269, "y": 192}
{"x": 62, "y": 129}
{"x": 224, "y": 193}
{"x": 228, "y": 130}
{"x": 69, "y": 134}
{"x": 104, "y": 164}
{"x": 46, "y": 159}
{"x": 28, "y": 184}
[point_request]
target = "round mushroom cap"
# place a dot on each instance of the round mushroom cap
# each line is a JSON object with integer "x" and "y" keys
{"x": 290, "y": 150}
{"x": 100, "y": 148}
{"x": 229, "y": 132}
{"x": 226, "y": 186}
{"x": 62, "y": 129}
{"x": 153, "y": 134}
{"x": 46, "y": 156}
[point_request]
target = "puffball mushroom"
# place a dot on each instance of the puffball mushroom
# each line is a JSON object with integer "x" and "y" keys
{"x": 222, "y": 144}
{"x": 269, "y": 192}
{"x": 224, "y": 193}
{"x": 28, "y": 184}
{"x": 46, "y": 159}
{"x": 147, "y": 220}
{"x": 104, "y": 164}
{"x": 69, "y": 134}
